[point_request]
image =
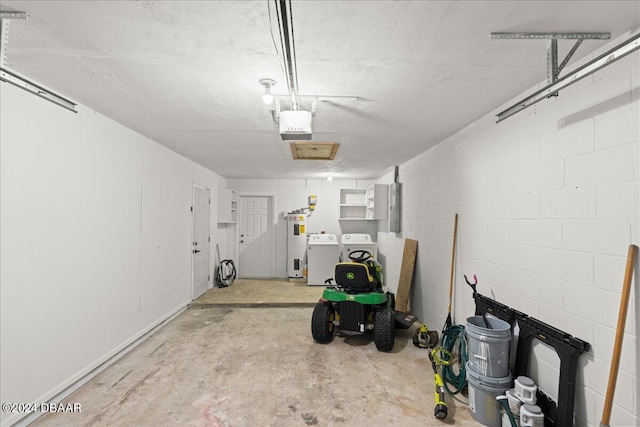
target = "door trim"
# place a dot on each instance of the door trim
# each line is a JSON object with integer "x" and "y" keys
{"x": 193, "y": 234}
{"x": 272, "y": 198}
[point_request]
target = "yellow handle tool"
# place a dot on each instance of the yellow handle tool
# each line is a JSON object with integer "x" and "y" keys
{"x": 441, "y": 410}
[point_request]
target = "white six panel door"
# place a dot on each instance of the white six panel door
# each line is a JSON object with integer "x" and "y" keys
{"x": 256, "y": 237}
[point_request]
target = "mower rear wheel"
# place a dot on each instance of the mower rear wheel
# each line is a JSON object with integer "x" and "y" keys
{"x": 384, "y": 331}
{"x": 322, "y": 322}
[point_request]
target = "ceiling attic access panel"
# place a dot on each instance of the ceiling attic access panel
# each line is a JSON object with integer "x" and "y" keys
{"x": 302, "y": 150}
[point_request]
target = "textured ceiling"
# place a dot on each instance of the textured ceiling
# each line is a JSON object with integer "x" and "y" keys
{"x": 186, "y": 73}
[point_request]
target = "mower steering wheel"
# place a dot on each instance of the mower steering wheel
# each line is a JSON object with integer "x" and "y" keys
{"x": 363, "y": 255}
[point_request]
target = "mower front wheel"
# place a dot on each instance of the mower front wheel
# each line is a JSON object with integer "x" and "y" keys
{"x": 384, "y": 331}
{"x": 322, "y": 322}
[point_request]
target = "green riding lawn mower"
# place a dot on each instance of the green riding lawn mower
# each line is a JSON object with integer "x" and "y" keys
{"x": 358, "y": 304}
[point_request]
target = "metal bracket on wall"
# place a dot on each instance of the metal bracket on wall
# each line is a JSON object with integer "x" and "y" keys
{"x": 553, "y": 69}
{"x": 13, "y": 15}
{"x": 4, "y": 32}
{"x": 4, "y": 41}
{"x": 17, "y": 80}
{"x": 557, "y": 83}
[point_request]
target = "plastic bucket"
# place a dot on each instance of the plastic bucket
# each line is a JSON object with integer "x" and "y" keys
{"x": 483, "y": 391}
{"x": 488, "y": 348}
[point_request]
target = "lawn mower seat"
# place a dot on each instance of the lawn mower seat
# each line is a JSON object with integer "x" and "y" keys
{"x": 354, "y": 277}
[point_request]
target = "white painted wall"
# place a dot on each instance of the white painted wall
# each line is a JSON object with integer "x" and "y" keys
{"x": 548, "y": 205}
{"x": 84, "y": 204}
{"x": 291, "y": 194}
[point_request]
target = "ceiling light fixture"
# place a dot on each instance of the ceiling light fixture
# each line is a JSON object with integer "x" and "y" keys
{"x": 267, "y": 98}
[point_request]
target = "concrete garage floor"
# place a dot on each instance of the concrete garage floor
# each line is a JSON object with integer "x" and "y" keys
{"x": 259, "y": 366}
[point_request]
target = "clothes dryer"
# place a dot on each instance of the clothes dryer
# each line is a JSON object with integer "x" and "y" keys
{"x": 356, "y": 242}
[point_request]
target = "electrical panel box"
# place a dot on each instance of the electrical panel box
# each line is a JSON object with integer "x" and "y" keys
{"x": 395, "y": 207}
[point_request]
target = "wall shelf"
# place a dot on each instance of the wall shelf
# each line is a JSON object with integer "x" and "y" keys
{"x": 228, "y": 200}
{"x": 363, "y": 204}
{"x": 353, "y": 203}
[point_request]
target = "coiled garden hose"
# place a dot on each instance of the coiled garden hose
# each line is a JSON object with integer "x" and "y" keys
{"x": 453, "y": 349}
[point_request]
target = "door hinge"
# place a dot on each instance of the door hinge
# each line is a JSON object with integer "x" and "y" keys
{"x": 208, "y": 278}
{"x": 209, "y": 239}
{"x": 191, "y": 208}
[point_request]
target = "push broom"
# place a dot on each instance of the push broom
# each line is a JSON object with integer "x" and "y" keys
{"x": 617, "y": 346}
{"x": 448, "y": 322}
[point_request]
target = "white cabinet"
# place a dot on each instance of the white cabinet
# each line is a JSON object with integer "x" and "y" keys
{"x": 228, "y": 206}
{"x": 364, "y": 203}
{"x": 378, "y": 201}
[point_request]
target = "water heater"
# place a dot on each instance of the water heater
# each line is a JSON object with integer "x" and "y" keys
{"x": 296, "y": 244}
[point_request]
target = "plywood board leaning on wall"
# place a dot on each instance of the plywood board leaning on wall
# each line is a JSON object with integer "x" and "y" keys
{"x": 406, "y": 274}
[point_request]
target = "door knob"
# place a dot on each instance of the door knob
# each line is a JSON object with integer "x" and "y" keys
{"x": 195, "y": 251}
{"x": 241, "y": 241}
{"x": 195, "y": 243}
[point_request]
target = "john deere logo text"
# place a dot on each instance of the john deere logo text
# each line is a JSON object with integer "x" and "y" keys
{"x": 351, "y": 276}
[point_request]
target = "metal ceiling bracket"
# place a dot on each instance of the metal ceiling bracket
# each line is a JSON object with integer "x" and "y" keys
{"x": 569, "y": 55}
{"x": 34, "y": 88}
{"x": 557, "y": 36}
{"x": 553, "y": 69}
{"x": 325, "y": 98}
{"x": 277, "y": 107}
{"x": 4, "y": 32}
{"x": 13, "y": 15}
{"x": 4, "y": 41}
{"x": 314, "y": 104}
{"x": 552, "y": 60}
{"x": 618, "y": 52}
{"x": 17, "y": 80}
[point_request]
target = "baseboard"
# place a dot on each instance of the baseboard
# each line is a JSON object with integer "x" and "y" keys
{"x": 69, "y": 386}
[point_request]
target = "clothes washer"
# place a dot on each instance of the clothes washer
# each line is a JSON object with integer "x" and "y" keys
{"x": 323, "y": 252}
{"x": 358, "y": 242}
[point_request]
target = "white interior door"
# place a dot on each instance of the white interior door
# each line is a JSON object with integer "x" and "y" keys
{"x": 200, "y": 244}
{"x": 256, "y": 237}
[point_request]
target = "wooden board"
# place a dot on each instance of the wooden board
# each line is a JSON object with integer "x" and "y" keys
{"x": 406, "y": 274}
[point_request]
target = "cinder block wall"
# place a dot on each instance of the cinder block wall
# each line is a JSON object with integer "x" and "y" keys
{"x": 548, "y": 205}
